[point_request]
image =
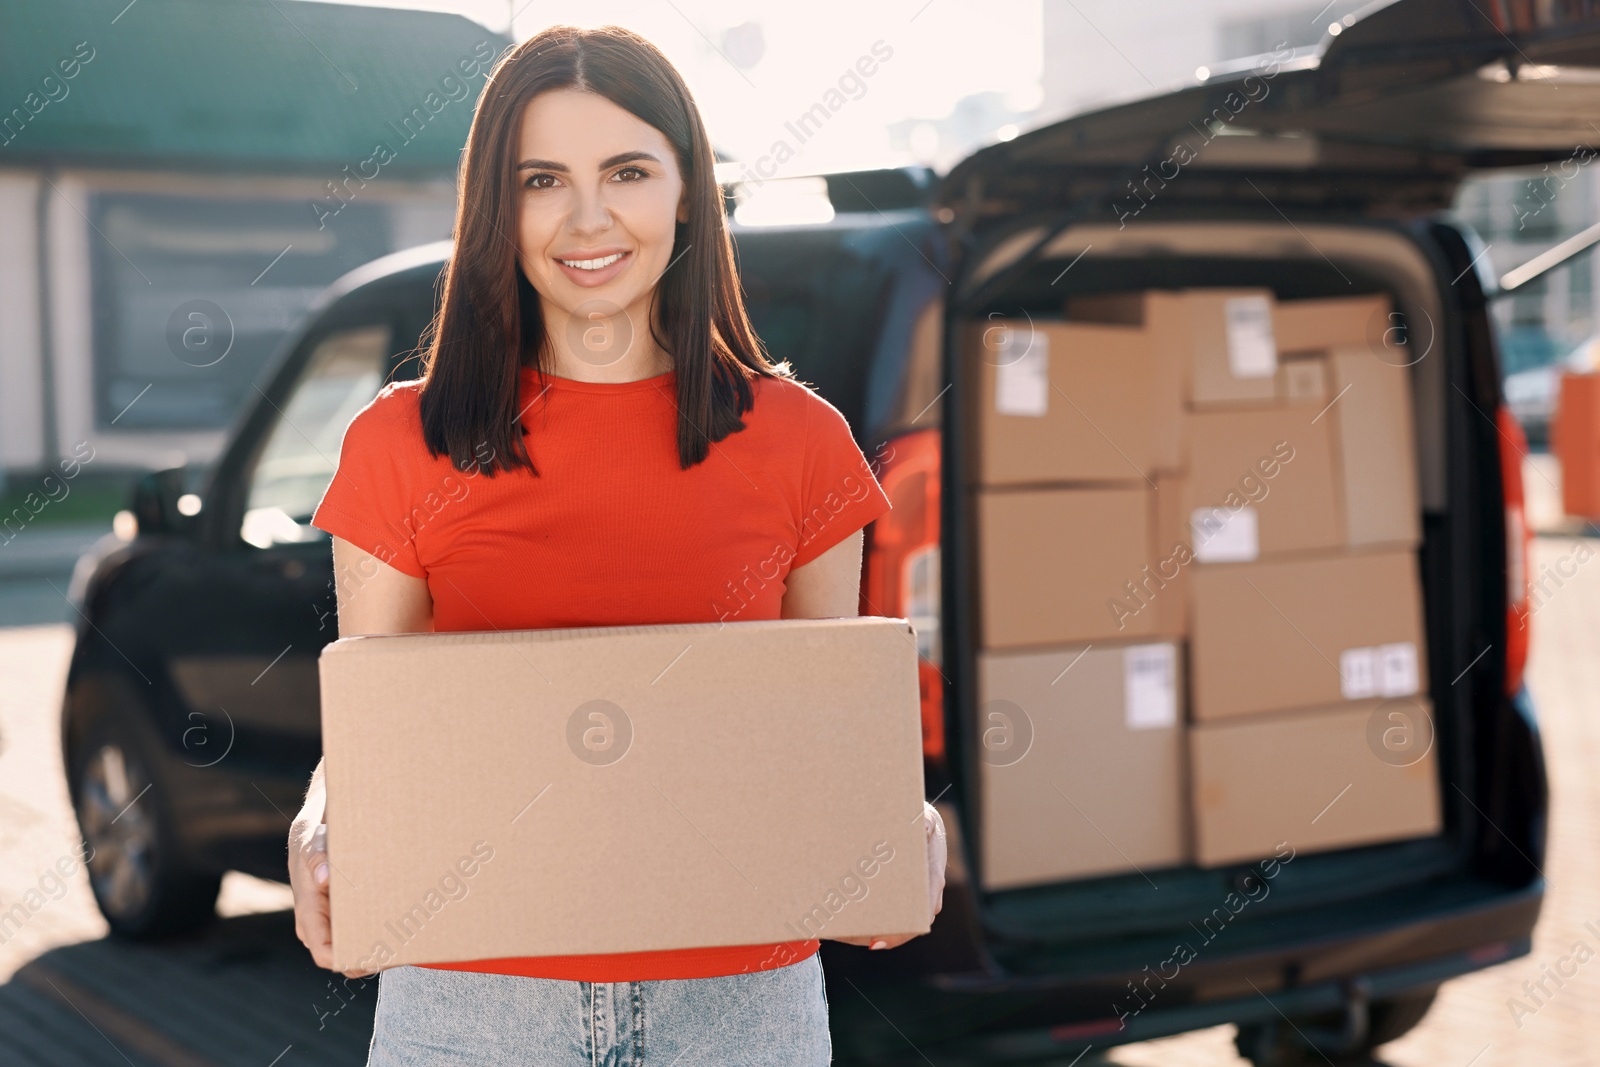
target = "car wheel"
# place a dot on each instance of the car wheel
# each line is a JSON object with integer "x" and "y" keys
{"x": 1274, "y": 1044}
{"x": 141, "y": 887}
{"x": 1397, "y": 1016}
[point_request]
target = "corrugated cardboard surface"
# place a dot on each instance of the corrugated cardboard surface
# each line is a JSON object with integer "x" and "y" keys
{"x": 1232, "y": 454}
{"x": 1314, "y": 779}
{"x": 1077, "y": 779}
{"x": 1168, "y": 581}
{"x": 1313, "y": 325}
{"x": 765, "y": 767}
{"x": 1272, "y": 635}
{"x": 1053, "y": 563}
{"x": 1162, "y": 320}
{"x": 1097, "y": 412}
{"x": 1377, "y": 449}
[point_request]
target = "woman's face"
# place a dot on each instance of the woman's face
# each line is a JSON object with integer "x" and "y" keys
{"x": 598, "y": 194}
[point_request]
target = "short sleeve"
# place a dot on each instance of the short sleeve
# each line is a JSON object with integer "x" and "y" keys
{"x": 369, "y": 502}
{"x": 839, "y": 494}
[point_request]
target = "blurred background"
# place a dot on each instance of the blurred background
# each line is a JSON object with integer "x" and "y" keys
{"x": 164, "y": 176}
{"x": 208, "y": 169}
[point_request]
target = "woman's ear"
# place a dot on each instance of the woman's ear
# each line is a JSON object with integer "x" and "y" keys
{"x": 683, "y": 205}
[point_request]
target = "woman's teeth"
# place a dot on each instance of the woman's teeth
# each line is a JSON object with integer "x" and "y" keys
{"x": 594, "y": 264}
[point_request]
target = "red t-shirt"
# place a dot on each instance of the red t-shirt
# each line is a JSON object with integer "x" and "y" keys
{"x": 611, "y": 533}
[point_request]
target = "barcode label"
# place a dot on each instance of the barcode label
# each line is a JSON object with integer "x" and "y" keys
{"x": 1252, "y": 348}
{"x": 1397, "y": 669}
{"x": 1358, "y": 673}
{"x": 1150, "y": 696}
{"x": 1379, "y": 671}
{"x": 1225, "y": 535}
{"x": 1022, "y": 378}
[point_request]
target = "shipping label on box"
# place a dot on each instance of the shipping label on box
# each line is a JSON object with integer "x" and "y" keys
{"x": 1225, "y": 534}
{"x": 1022, "y": 374}
{"x": 1252, "y": 353}
{"x": 1379, "y": 671}
{"x": 1150, "y": 686}
{"x": 622, "y": 789}
{"x": 1303, "y": 381}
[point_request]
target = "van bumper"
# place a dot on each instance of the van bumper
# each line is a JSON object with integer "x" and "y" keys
{"x": 1017, "y": 1018}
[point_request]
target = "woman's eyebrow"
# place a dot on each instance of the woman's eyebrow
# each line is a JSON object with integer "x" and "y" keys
{"x": 562, "y": 168}
{"x": 628, "y": 157}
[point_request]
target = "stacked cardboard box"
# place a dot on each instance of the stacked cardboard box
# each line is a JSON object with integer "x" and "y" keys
{"x": 1080, "y": 684}
{"x": 1218, "y": 467}
{"x": 1082, "y": 762}
{"x": 1307, "y": 622}
{"x": 1077, "y": 428}
{"x": 1312, "y": 779}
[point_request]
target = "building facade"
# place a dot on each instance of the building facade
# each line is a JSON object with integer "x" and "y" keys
{"x": 178, "y": 181}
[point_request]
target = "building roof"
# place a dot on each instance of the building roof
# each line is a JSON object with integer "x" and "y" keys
{"x": 275, "y": 85}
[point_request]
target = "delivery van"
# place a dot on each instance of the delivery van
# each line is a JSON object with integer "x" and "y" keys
{"x": 1207, "y": 515}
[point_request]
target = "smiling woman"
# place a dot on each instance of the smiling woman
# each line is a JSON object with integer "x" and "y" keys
{"x": 634, "y": 198}
{"x": 595, "y": 150}
{"x": 641, "y": 454}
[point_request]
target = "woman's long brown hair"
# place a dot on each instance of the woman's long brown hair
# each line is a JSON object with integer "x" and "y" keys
{"x": 490, "y": 322}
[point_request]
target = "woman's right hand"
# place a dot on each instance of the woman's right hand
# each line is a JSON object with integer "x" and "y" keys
{"x": 308, "y": 877}
{"x": 389, "y": 602}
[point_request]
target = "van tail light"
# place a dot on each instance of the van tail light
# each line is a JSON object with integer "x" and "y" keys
{"x": 900, "y": 571}
{"x": 1519, "y": 548}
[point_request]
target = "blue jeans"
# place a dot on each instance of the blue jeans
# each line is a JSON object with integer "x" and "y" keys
{"x": 427, "y": 1016}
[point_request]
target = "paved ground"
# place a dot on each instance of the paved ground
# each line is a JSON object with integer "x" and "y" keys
{"x": 246, "y": 993}
{"x": 1473, "y": 1023}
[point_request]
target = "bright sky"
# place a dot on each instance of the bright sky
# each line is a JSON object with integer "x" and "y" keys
{"x": 939, "y": 52}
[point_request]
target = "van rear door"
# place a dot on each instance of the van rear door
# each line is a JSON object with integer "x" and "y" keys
{"x": 1390, "y": 114}
{"x": 1378, "y": 125}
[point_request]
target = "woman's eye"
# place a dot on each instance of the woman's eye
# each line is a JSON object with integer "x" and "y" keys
{"x": 534, "y": 179}
{"x": 642, "y": 174}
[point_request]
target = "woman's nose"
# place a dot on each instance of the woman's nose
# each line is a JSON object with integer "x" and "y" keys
{"x": 590, "y": 213}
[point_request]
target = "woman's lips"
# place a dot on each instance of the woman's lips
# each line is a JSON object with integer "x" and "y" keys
{"x": 589, "y": 279}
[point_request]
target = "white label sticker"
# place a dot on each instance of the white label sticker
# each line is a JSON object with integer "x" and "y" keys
{"x": 1397, "y": 669}
{"x": 1358, "y": 673}
{"x": 1150, "y": 695}
{"x": 1225, "y": 535}
{"x": 1252, "y": 349}
{"x": 1022, "y": 379}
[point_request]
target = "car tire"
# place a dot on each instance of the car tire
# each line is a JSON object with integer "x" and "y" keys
{"x": 1273, "y": 1044}
{"x": 129, "y": 843}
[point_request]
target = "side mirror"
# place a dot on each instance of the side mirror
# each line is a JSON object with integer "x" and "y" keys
{"x": 155, "y": 503}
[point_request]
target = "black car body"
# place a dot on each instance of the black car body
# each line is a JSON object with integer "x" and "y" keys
{"x": 1323, "y": 172}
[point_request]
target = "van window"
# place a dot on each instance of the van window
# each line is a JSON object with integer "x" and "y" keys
{"x": 819, "y": 301}
{"x": 302, "y": 449}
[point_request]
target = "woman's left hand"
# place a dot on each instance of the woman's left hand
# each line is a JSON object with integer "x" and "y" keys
{"x": 938, "y": 853}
